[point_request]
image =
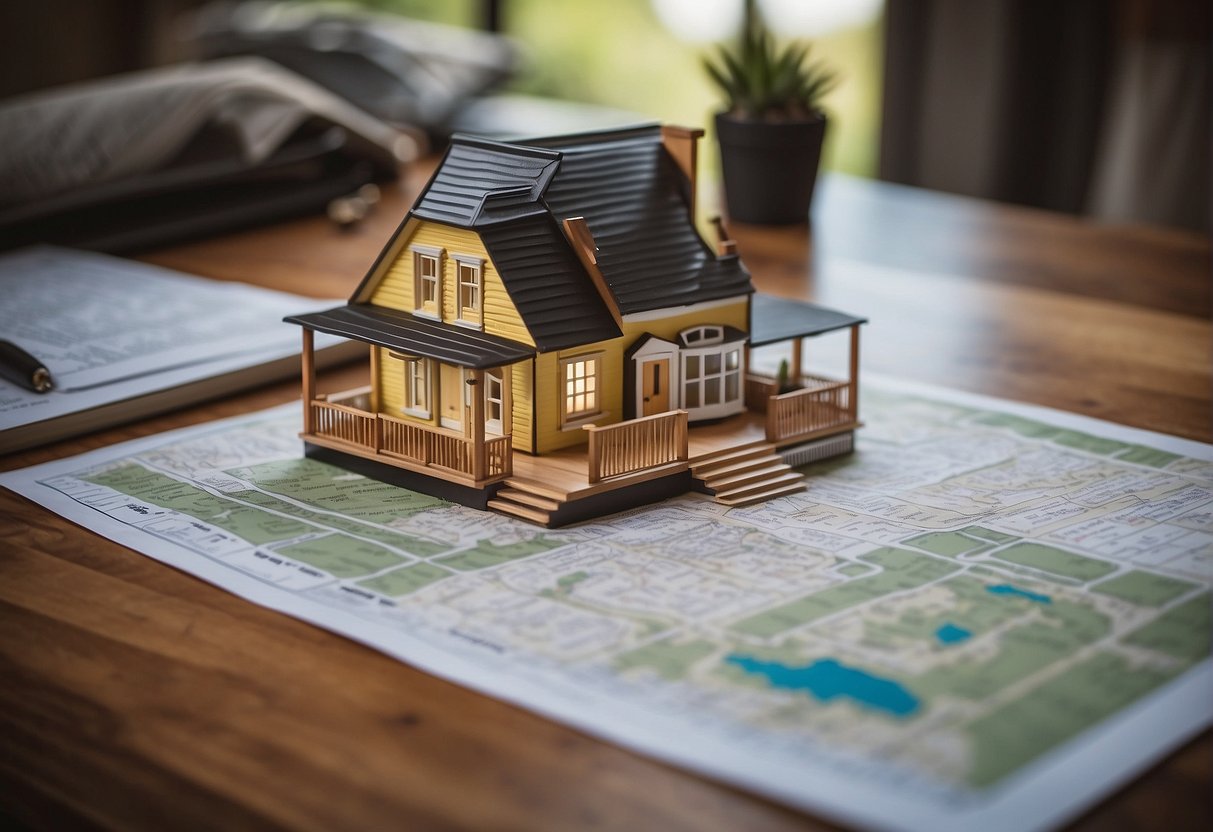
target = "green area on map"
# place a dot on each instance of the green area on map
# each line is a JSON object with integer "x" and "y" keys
{"x": 949, "y": 544}
{"x": 1143, "y": 588}
{"x": 357, "y": 528}
{"x": 1182, "y": 631}
{"x": 335, "y": 489}
{"x": 1011, "y": 736}
{"x": 668, "y": 658}
{"x": 1051, "y": 633}
{"x": 406, "y": 579}
{"x": 900, "y": 570}
{"x": 1056, "y": 561}
{"x": 252, "y": 524}
{"x": 487, "y": 553}
{"x": 341, "y": 555}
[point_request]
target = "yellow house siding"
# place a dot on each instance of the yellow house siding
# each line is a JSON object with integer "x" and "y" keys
{"x": 734, "y": 315}
{"x": 390, "y": 383}
{"x": 549, "y": 390}
{"x": 395, "y": 289}
{"x": 549, "y": 385}
{"x": 522, "y": 379}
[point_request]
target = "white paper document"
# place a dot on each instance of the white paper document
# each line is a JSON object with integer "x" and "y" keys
{"x": 988, "y": 617}
{"x": 110, "y": 329}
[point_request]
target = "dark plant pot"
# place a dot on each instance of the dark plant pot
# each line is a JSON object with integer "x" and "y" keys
{"x": 770, "y": 168}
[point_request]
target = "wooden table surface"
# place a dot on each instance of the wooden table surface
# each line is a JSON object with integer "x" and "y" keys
{"x": 134, "y": 696}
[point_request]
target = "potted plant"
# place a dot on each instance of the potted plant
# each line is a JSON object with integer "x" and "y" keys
{"x": 771, "y": 132}
{"x": 784, "y": 384}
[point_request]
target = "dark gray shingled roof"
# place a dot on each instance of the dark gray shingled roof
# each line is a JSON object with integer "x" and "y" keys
{"x": 405, "y": 333}
{"x": 480, "y": 182}
{"x": 631, "y": 194}
{"x": 496, "y": 190}
{"x": 547, "y": 283}
{"x": 775, "y": 319}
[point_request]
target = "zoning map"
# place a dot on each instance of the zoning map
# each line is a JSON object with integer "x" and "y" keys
{"x": 970, "y": 598}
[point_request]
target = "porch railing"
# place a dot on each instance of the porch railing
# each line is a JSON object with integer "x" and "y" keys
{"x": 394, "y": 438}
{"x": 821, "y": 405}
{"x": 358, "y": 398}
{"x": 498, "y": 458}
{"x": 628, "y": 447}
{"x": 339, "y": 421}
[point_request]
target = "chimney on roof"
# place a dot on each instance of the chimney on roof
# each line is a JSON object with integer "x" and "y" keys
{"x": 682, "y": 143}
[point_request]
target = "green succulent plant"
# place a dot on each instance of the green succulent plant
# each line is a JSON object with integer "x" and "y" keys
{"x": 761, "y": 80}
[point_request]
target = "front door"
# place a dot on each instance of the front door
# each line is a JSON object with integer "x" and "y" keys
{"x": 655, "y": 386}
{"x": 450, "y": 396}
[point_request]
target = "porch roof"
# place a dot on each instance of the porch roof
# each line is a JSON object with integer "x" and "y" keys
{"x": 775, "y": 319}
{"x": 405, "y": 333}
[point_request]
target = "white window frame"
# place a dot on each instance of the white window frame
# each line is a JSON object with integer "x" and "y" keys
{"x": 494, "y": 379}
{"x": 418, "y": 376}
{"x": 571, "y": 421}
{"x": 703, "y": 336}
{"x": 422, "y": 254}
{"x": 724, "y": 406}
{"x": 476, "y": 265}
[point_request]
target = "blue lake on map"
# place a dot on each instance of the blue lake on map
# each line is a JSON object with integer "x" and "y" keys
{"x": 827, "y": 679}
{"x": 949, "y": 633}
{"x": 1008, "y": 589}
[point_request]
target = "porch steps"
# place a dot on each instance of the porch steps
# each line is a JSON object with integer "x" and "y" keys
{"x": 738, "y": 477}
{"x": 528, "y": 499}
{"x": 761, "y": 496}
{"x": 539, "y": 516}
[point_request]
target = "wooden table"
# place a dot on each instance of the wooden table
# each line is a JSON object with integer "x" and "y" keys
{"x": 134, "y": 696}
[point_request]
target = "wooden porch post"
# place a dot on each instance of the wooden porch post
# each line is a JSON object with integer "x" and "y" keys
{"x": 309, "y": 379}
{"x": 853, "y": 392}
{"x": 479, "y": 464}
{"x": 797, "y": 349}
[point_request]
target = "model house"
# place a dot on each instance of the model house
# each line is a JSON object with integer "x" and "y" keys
{"x": 549, "y": 335}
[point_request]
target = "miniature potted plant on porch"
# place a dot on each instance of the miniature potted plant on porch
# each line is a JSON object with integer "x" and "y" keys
{"x": 772, "y": 130}
{"x": 783, "y": 383}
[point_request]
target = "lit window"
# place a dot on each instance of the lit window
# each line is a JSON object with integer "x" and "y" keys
{"x": 470, "y": 290}
{"x": 417, "y": 387}
{"x": 427, "y": 266}
{"x": 580, "y": 387}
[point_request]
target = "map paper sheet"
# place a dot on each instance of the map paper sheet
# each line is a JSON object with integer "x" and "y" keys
{"x": 987, "y": 617}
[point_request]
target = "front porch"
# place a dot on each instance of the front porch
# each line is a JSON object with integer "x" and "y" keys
{"x": 622, "y": 464}
{"x": 344, "y": 422}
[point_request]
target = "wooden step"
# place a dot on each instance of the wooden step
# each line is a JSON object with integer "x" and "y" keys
{"x": 721, "y": 453}
{"x": 536, "y": 487}
{"x": 518, "y": 510}
{"x": 778, "y": 481}
{"x": 762, "y": 496}
{"x": 738, "y": 480}
{"x": 700, "y": 468}
{"x": 734, "y": 468}
{"x": 528, "y": 498}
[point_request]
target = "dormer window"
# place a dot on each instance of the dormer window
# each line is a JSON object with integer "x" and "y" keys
{"x": 427, "y": 284}
{"x": 702, "y": 336}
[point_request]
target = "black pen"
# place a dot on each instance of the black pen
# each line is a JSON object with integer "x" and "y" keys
{"x": 19, "y": 367}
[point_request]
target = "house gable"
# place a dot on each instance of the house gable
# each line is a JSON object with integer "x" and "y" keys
{"x": 397, "y": 286}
